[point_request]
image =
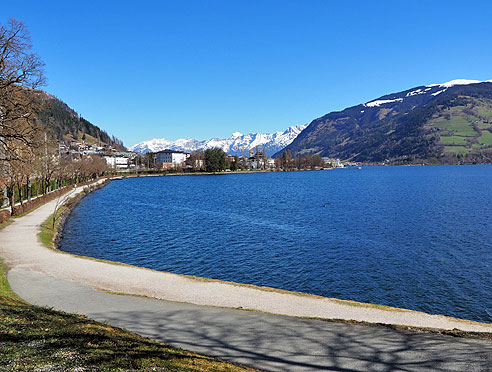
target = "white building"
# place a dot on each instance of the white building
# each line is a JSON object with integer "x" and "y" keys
{"x": 117, "y": 162}
{"x": 170, "y": 158}
{"x": 334, "y": 163}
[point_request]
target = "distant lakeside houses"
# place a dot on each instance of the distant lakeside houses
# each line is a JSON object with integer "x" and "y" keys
{"x": 254, "y": 158}
{"x": 169, "y": 159}
{"x": 166, "y": 159}
{"x": 257, "y": 159}
{"x": 114, "y": 159}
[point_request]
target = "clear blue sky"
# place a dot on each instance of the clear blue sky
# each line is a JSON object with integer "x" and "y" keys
{"x": 202, "y": 69}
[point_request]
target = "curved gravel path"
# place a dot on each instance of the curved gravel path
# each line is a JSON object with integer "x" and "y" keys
{"x": 20, "y": 248}
{"x": 190, "y": 313}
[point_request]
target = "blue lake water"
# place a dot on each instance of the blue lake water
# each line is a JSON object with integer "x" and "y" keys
{"x": 412, "y": 237}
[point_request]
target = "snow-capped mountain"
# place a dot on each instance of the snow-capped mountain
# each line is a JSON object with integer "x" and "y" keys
{"x": 273, "y": 142}
{"x": 431, "y": 90}
{"x": 438, "y": 123}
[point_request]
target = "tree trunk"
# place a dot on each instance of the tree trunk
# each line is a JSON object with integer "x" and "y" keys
{"x": 28, "y": 185}
{"x": 10, "y": 196}
{"x": 19, "y": 188}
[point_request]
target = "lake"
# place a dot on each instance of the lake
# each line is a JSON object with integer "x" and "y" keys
{"x": 413, "y": 237}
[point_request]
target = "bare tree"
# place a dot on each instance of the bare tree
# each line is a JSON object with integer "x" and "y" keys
{"x": 12, "y": 176}
{"x": 97, "y": 166}
{"x": 17, "y": 170}
{"x": 317, "y": 161}
{"x": 62, "y": 198}
{"x": 47, "y": 159}
{"x": 286, "y": 159}
{"x": 21, "y": 71}
{"x": 197, "y": 160}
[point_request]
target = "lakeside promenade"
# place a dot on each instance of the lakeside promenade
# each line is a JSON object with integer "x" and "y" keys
{"x": 191, "y": 313}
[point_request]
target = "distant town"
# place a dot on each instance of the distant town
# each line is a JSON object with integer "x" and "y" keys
{"x": 254, "y": 158}
{"x": 50, "y": 164}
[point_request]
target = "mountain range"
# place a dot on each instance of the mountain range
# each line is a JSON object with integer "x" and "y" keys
{"x": 447, "y": 123}
{"x": 440, "y": 123}
{"x": 273, "y": 142}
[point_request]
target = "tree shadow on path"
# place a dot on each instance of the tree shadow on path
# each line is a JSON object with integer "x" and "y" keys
{"x": 277, "y": 343}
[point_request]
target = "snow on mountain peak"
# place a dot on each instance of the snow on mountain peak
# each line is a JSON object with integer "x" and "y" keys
{"x": 382, "y": 102}
{"x": 273, "y": 142}
{"x": 433, "y": 89}
{"x": 451, "y": 83}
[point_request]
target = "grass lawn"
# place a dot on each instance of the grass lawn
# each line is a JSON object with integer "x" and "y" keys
{"x": 88, "y": 138}
{"x": 456, "y": 149}
{"x": 460, "y": 126}
{"x": 2, "y": 225}
{"x": 47, "y": 231}
{"x": 484, "y": 111}
{"x": 457, "y": 109}
{"x": 483, "y": 125}
{"x": 454, "y": 140}
{"x": 485, "y": 138}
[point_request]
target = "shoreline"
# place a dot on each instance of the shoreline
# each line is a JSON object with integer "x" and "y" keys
{"x": 121, "y": 278}
{"x": 178, "y": 174}
{"x": 172, "y": 174}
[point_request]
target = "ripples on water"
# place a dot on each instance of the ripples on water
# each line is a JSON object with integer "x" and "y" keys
{"x": 411, "y": 237}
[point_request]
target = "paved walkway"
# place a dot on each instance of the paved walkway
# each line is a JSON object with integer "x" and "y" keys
{"x": 270, "y": 342}
{"x": 66, "y": 282}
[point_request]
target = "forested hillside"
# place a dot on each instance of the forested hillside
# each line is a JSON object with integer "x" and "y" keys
{"x": 440, "y": 124}
{"x": 68, "y": 126}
